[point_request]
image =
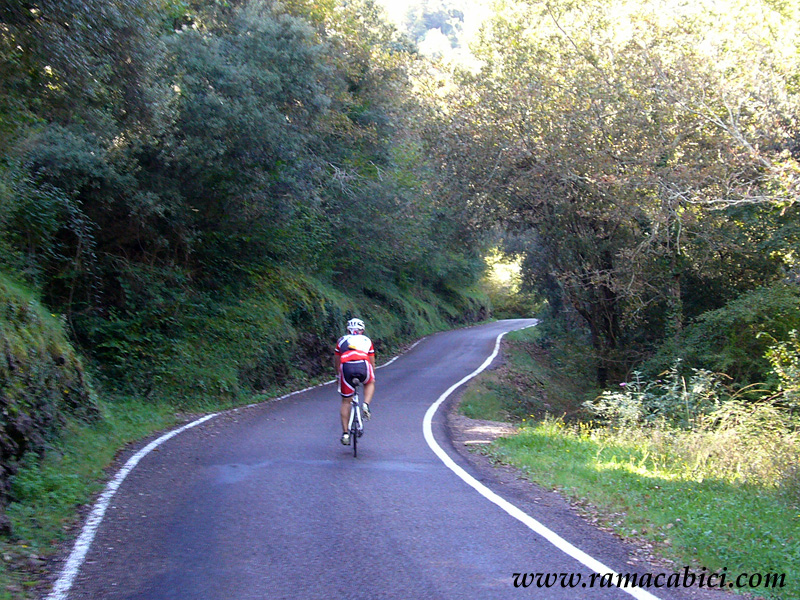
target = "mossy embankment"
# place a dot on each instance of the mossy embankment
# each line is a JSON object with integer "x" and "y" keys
{"x": 197, "y": 350}
{"x": 42, "y": 382}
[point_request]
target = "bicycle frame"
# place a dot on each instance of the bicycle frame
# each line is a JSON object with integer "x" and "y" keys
{"x": 356, "y": 424}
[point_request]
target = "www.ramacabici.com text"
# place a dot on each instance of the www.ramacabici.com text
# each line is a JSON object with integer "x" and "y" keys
{"x": 685, "y": 578}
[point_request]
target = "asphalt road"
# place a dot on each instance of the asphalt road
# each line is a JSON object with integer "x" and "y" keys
{"x": 265, "y": 503}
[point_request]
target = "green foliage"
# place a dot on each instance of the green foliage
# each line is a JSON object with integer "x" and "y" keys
{"x": 747, "y": 435}
{"x": 784, "y": 358}
{"x": 46, "y": 491}
{"x": 735, "y": 339}
{"x": 752, "y": 443}
{"x": 739, "y": 335}
{"x": 51, "y": 184}
{"x": 486, "y": 403}
{"x": 131, "y": 341}
{"x": 78, "y": 59}
{"x": 194, "y": 349}
{"x": 83, "y": 452}
{"x": 281, "y": 156}
{"x": 603, "y": 136}
{"x": 539, "y": 377}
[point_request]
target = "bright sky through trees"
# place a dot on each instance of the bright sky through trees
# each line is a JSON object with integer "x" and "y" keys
{"x": 469, "y": 15}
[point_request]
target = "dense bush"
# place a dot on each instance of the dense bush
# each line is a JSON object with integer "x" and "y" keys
{"x": 735, "y": 339}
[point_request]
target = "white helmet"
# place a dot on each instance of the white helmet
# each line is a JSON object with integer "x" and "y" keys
{"x": 355, "y": 326}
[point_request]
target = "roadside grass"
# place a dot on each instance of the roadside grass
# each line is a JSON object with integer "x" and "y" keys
{"x": 484, "y": 400}
{"x": 659, "y": 485}
{"x": 47, "y": 491}
{"x": 689, "y": 518}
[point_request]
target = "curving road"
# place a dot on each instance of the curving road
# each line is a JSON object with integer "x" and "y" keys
{"x": 265, "y": 503}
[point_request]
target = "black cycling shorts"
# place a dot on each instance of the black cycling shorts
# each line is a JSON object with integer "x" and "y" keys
{"x": 350, "y": 372}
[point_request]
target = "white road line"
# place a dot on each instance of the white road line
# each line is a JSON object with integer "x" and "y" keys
{"x": 81, "y": 548}
{"x": 313, "y": 387}
{"x": 515, "y": 512}
{"x": 399, "y": 355}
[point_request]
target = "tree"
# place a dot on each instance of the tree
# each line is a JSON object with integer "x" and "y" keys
{"x": 609, "y": 132}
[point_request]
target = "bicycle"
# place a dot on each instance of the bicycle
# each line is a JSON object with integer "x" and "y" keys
{"x": 356, "y": 425}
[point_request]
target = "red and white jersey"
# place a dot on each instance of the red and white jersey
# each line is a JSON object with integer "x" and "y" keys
{"x": 354, "y": 347}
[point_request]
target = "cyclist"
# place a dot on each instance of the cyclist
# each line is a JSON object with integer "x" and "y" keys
{"x": 354, "y": 358}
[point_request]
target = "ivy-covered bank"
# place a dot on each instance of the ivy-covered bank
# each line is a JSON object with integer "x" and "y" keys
{"x": 42, "y": 383}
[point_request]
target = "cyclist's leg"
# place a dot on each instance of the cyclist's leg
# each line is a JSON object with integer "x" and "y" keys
{"x": 369, "y": 386}
{"x": 345, "y": 413}
{"x": 346, "y": 391}
{"x": 369, "y": 390}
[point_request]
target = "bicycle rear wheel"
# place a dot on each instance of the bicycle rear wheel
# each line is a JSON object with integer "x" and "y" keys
{"x": 354, "y": 420}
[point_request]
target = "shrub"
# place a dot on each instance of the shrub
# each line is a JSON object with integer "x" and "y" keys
{"x": 673, "y": 398}
{"x": 701, "y": 425}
